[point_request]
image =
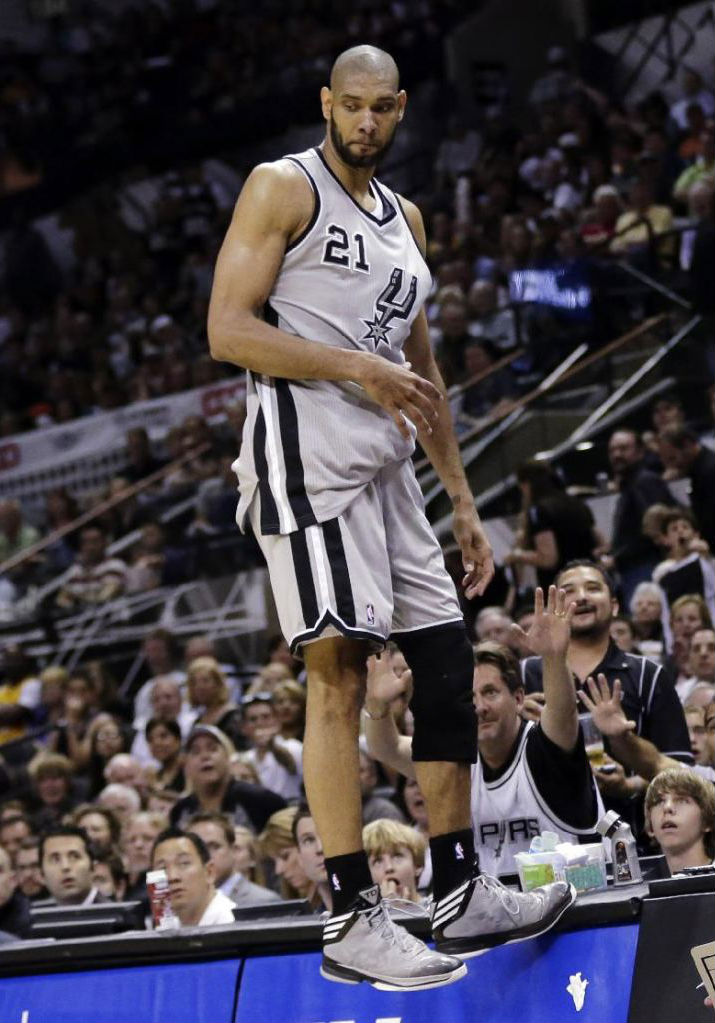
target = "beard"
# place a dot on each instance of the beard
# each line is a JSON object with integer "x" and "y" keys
{"x": 371, "y": 159}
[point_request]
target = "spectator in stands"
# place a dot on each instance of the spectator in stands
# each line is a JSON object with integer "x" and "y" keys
{"x": 648, "y": 695}
{"x": 109, "y": 876}
{"x": 202, "y": 646}
{"x": 138, "y": 836}
{"x": 276, "y": 842}
{"x": 688, "y": 567}
{"x": 638, "y": 228}
{"x": 247, "y": 856}
{"x": 634, "y": 555}
{"x": 27, "y": 868}
{"x": 102, "y": 825}
{"x": 20, "y": 694}
{"x": 555, "y": 528}
{"x": 207, "y": 690}
{"x": 510, "y": 748}
{"x": 374, "y": 807}
{"x": 74, "y": 715}
{"x": 623, "y": 634}
{"x": 680, "y": 449}
{"x": 649, "y": 609}
{"x": 688, "y": 614}
{"x": 693, "y": 92}
{"x": 164, "y": 741}
{"x": 396, "y": 855}
{"x": 701, "y": 170}
{"x": 166, "y": 705}
{"x": 493, "y": 623}
{"x": 496, "y": 326}
{"x": 124, "y": 769}
{"x": 162, "y": 657}
{"x": 66, "y": 860}
{"x": 94, "y": 578}
{"x": 695, "y": 720}
{"x": 680, "y": 815}
{"x": 15, "y": 829}
{"x": 312, "y": 859}
{"x": 16, "y": 535}
{"x": 123, "y": 800}
{"x": 153, "y": 562}
{"x": 453, "y": 338}
{"x": 493, "y": 395}
{"x": 599, "y": 225}
{"x": 14, "y": 906}
{"x": 216, "y": 501}
{"x": 278, "y": 761}
{"x": 61, "y": 509}
{"x": 289, "y": 700}
{"x": 191, "y": 875}
{"x": 219, "y": 836}
{"x": 702, "y": 655}
{"x": 208, "y": 773}
{"x": 107, "y": 737}
{"x": 140, "y": 460}
{"x": 51, "y": 775}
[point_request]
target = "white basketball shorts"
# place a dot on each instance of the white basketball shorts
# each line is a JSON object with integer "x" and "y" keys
{"x": 373, "y": 571}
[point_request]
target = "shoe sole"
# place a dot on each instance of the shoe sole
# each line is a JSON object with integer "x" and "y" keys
{"x": 465, "y": 948}
{"x": 345, "y": 975}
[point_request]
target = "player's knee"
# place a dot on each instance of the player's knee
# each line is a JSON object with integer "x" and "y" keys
{"x": 442, "y": 664}
{"x": 336, "y": 680}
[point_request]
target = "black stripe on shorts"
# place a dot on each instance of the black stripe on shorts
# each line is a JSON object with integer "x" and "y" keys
{"x": 269, "y": 510}
{"x": 345, "y": 604}
{"x": 295, "y": 477}
{"x": 304, "y": 577}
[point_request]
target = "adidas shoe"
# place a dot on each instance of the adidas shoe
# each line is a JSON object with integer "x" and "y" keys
{"x": 365, "y": 944}
{"x": 481, "y": 914}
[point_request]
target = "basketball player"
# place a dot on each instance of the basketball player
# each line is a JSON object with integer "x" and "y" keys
{"x": 318, "y": 292}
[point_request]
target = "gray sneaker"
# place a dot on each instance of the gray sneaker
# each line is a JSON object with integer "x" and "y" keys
{"x": 481, "y": 914}
{"x": 365, "y": 944}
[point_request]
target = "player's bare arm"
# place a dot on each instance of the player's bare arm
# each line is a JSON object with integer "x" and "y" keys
{"x": 276, "y": 203}
{"x": 441, "y": 447}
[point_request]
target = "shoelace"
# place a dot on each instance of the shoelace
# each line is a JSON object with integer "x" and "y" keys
{"x": 381, "y": 921}
{"x": 508, "y": 899}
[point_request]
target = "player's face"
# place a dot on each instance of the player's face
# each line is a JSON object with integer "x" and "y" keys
{"x": 363, "y": 115}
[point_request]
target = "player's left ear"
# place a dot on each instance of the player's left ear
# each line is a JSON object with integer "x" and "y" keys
{"x": 401, "y": 103}
{"x": 326, "y": 102}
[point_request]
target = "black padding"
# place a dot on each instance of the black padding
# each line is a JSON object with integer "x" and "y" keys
{"x": 442, "y": 664}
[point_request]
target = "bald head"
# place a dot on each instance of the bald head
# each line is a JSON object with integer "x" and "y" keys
{"x": 364, "y": 60}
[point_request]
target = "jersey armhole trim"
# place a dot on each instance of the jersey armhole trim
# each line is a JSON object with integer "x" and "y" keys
{"x": 412, "y": 233}
{"x": 316, "y": 207}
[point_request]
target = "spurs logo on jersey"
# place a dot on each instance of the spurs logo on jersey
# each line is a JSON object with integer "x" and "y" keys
{"x": 389, "y": 307}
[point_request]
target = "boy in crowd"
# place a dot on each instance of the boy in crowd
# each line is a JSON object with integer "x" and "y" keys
{"x": 396, "y": 854}
{"x": 680, "y": 815}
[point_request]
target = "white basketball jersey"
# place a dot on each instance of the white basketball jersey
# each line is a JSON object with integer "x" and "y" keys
{"x": 509, "y": 811}
{"x": 354, "y": 280}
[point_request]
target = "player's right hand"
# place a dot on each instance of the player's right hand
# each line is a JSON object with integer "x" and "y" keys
{"x": 401, "y": 393}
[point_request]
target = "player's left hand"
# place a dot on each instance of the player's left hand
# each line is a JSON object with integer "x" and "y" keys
{"x": 477, "y": 557}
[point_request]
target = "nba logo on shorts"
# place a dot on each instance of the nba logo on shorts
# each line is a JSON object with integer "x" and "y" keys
{"x": 370, "y": 610}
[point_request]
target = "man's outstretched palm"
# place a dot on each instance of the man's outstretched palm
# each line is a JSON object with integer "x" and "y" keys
{"x": 550, "y": 629}
{"x": 605, "y": 707}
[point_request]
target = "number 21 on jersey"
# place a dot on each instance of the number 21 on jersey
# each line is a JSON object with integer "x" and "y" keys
{"x": 340, "y": 250}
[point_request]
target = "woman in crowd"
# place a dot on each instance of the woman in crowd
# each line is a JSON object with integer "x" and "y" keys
{"x": 208, "y": 689}
{"x": 555, "y": 527}
{"x": 289, "y": 704}
{"x": 164, "y": 741}
{"x": 53, "y": 791}
{"x": 106, "y": 736}
{"x": 101, "y": 824}
{"x": 276, "y": 842}
{"x": 247, "y": 856}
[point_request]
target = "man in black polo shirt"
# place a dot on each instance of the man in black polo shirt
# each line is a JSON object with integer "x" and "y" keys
{"x": 207, "y": 769}
{"x": 649, "y": 697}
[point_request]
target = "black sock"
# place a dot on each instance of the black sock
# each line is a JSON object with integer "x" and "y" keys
{"x": 347, "y": 875}
{"x": 453, "y": 859}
